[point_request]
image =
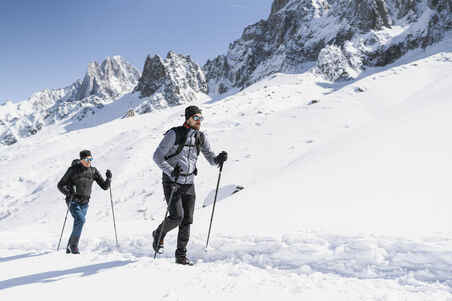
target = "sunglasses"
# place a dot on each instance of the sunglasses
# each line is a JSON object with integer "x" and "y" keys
{"x": 196, "y": 118}
{"x": 88, "y": 159}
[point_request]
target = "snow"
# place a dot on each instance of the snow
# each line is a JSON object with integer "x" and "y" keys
{"x": 113, "y": 78}
{"x": 346, "y": 197}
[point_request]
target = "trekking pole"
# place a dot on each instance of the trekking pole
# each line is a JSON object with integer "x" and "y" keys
{"x": 64, "y": 224}
{"x": 214, "y": 203}
{"x": 114, "y": 220}
{"x": 173, "y": 189}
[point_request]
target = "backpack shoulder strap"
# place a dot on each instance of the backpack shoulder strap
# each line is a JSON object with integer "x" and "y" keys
{"x": 200, "y": 138}
{"x": 181, "y": 136}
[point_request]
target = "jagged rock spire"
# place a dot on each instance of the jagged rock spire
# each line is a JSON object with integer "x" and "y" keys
{"x": 174, "y": 80}
{"x": 102, "y": 84}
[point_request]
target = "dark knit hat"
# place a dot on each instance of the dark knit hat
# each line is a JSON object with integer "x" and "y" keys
{"x": 85, "y": 153}
{"x": 190, "y": 111}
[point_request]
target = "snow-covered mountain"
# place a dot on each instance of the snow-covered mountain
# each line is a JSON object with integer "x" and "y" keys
{"x": 342, "y": 37}
{"x": 347, "y": 183}
{"x": 102, "y": 84}
{"x": 108, "y": 80}
{"x": 346, "y": 198}
{"x": 171, "y": 81}
{"x": 339, "y": 38}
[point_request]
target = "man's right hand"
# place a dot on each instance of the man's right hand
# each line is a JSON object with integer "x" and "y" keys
{"x": 176, "y": 171}
{"x": 69, "y": 198}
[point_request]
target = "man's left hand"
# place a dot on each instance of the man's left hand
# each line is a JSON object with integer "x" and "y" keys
{"x": 221, "y": 158}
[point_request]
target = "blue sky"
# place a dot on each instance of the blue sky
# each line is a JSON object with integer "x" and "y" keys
{"x": 49, "y": 43}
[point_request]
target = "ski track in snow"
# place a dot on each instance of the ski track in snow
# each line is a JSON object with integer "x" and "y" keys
{"x": 355, "y": 257}
{"x": 417, "y": 262}
{"x": 298, "y": 262}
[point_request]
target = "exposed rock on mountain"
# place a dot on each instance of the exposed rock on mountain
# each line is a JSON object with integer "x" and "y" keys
{"x": 367, "y": 33}
{"x": 101, "y": 85}
{"x": 171, "y": 81}
{"x": 111, "y": 78}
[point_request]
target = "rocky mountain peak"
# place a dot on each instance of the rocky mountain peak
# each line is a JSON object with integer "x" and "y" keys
{"x": 112, "y": 77}
{"x": 277, "y": 5}
{"x": 154, "y": 73}
{"x": 170, "y": 81}
{"x": 102, "y": 84}
{"x": 299, "y": 32}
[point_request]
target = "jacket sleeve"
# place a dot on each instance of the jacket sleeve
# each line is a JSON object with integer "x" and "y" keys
{"x": 207, "y": 151}
{"x": 162, "y": 151}
{"x": 65, "y": 185}
{"x": 104, "y": 184}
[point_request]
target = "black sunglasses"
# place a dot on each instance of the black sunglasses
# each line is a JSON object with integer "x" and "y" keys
{"x": 196, "y": 118}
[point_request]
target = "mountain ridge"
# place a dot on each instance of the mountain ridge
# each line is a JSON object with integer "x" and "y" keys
{"x": 101, "y": 85}
{"x": 362, "y": 33}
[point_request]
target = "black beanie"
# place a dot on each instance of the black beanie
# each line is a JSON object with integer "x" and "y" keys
{"x": 190, "y": 111}
{"x": 85, "y": 153}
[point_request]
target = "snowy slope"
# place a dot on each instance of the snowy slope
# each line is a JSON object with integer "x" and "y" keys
{"x": 345, "y": 198}
{"x": 102, "y": 84}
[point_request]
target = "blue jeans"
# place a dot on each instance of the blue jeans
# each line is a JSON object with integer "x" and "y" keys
{"x": 78, "y": 212}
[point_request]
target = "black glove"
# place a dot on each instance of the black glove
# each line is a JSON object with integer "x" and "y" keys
{"x": 176, "y": 171}
{"x": 221, "y": 158}
{"x": 108, "y": 174}
{"x": 69, "y": 198}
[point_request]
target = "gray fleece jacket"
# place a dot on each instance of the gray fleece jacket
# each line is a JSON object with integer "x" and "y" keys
{"x": 186, "y": 159}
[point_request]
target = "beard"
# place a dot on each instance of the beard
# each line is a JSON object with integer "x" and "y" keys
{"x": 195, "y": 126}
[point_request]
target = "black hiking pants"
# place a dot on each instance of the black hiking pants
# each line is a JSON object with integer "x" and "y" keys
{"x": 181, "y": 210}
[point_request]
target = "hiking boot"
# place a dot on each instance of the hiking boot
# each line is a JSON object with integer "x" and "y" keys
{"x": 184, "y": 261}
{"x": 157, "y": 246}
{"x": 72, "y": 246}
{"x": 72, "y": 249}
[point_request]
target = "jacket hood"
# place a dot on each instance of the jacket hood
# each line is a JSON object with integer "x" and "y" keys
{"x": 76, "y": 162}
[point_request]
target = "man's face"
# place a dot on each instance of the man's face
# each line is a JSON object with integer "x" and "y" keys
{"x": 87, "y": 161}
{"x": 195, "y": 121}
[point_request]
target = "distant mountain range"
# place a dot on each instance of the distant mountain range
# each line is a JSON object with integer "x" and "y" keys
{"x": 101, "y": 85}
{"x": 338, "y": 39}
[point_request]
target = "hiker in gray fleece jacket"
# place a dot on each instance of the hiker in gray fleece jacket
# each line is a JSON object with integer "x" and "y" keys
{"x": 176, "y": 156}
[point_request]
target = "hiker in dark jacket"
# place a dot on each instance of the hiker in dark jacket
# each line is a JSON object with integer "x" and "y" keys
{"x": 76, "y": 185}
{"x": 177, "y": 155}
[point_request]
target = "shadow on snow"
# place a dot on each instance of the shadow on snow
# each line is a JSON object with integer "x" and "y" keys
{"x": 21, "y": 256}
{"x": 51, "y": 276}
